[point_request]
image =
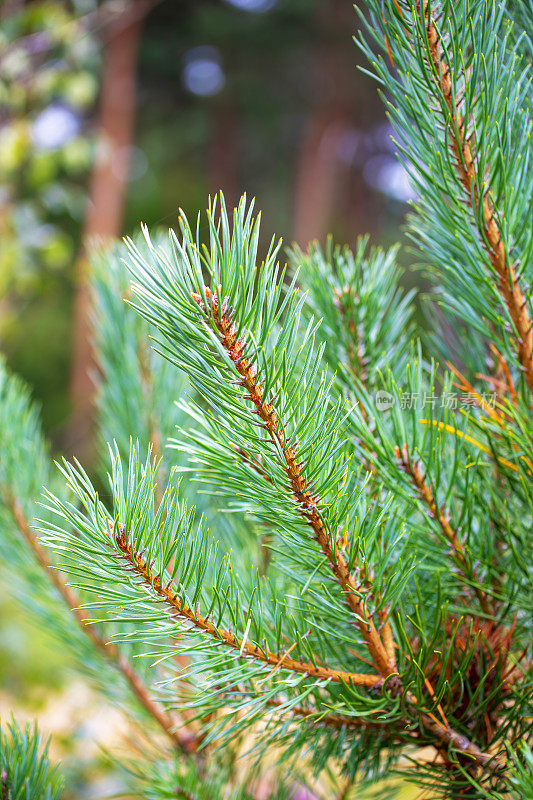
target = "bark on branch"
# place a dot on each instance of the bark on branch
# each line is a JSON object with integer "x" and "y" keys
{"x": 183, "y": 739}
{"x": 169, "y": 596}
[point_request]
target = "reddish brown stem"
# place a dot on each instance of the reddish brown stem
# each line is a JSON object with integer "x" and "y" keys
{"x": 463, "y": 149}
{"x": 502, "y": 364}
{"x": 306, "y": 503}
{"x": 184, "y": 740}
{"x": 441, "y": 517}
{"x": 461, "y": 744}
{"x": 248, "y": 650}
{"x": 331, "y": 720}
{"x": 381, "y": 647}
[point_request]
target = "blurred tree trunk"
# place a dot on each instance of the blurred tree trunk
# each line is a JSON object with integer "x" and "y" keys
{"x": 319, "y": 167}
{"x": 318, "y": 174}
{"x": 107, "y": 194}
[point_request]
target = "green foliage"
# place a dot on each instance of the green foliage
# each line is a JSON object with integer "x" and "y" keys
{"x": 25, "y": 769}
{"x": 141, "y": 396}
{"x": 138, "y": 389}
{"x": 24, "y": 469}
{"x": 361, "y": 288}
{"x": 354, "y": 586}
{"x": 21, "y": 440}
{"x": 285, "y": 454}
{"x": 172, "y": 779}
{"x": 465, "y": 141}
{"x": 522, "y": 776}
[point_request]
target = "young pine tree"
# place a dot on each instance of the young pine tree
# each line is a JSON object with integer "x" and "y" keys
{"x": 328, "y": 563}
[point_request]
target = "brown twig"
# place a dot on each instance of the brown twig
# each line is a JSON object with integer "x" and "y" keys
{"x": 330, "y": 720}
{"x": 441, "y": 516}
{"x": 442, "y": 732}
{"x": 306, "y": 503}
{"x": 463, "y": 149}
{"x": 184, "y": 740}
{"x": 318, "y": 718}
{"x": 248, "y": 650}
{"x": 510, "y": 387}
{"x": 380, "y": 646}
{"x": 182, "y": 794}
{"x": 466, "y": 386}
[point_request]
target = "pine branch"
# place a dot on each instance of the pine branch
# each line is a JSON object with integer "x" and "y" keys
{"x": 183, "y": 794}
{"x": 137, "y": 387}
{"x": 306, "y": 503}
{"x": 241, "y": 341}
{"x": 358, "y": 360}
{"x": 451, "y": 738}
{"x": 162, "y": 588}
{"x": 166, "y": 593}
{"x": 444, "y": 463}
{"x": 365, "y": 316}
{"x": 464, "y": 146}
{"x": 318, "y": 717}
{"x": 441, "y": 515}
{"x": 339, "y": 721}
{"x": 163, "y": 778}
{"x": 184, "y": 740}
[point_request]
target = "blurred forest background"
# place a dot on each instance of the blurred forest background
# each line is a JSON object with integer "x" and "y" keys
{"x": 121, "y": 111}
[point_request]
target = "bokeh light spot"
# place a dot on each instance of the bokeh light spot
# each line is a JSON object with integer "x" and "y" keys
{"x": 202, "y": 72}
{"x": 55, "y": 126}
